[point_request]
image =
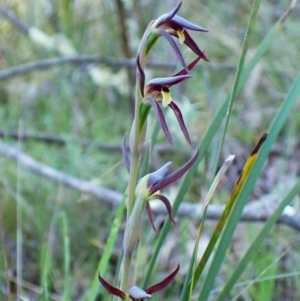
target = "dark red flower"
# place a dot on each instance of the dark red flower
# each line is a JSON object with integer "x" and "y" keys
{"x": 172, "y": 24}
{"x": 150, "y": 185}
{"x": 157, "y": 92}
{"x": 136, "y": 293}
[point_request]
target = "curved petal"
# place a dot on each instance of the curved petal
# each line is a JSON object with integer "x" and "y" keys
{"x": 180, "y": 120}
{"x": 188, "y": 41}
{"x": 111, "y": 289}
{"x": 187, "y": 24}
{"x": 159, "y": 286}
{"x": 149, "y": 213}
{"x": 158, "y": 175}
{"x": 160, "y": 116}
{"x": 125, "y": 155}
{"x": 175, "y": 175}
{"x": 168, "y": 81}
{"x": 162, "y": 19}
{"x": 174, "y": 46}
{"x": 191, "y": 65}
{"x": 167, "y": 204}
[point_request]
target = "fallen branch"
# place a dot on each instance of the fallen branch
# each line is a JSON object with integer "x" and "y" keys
{"x": 55, "y": 139}
{"x": 253, "y": 212}
{"x": 90, "y": 59}
{"x": 83, "y": 186}
{"x": 11, "y": 16}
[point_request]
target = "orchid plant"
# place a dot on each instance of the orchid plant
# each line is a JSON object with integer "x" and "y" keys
{"x": 152, "y": 95}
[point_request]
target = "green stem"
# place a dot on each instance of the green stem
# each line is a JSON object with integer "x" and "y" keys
{"x": 134, "y": 154}
{"x": 144, "y": 49}
{"x": 132, "y": 181}
{"x": 126, "y": 272}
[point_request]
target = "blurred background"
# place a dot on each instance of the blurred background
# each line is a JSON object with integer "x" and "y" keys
{"x": 66, "y": 99}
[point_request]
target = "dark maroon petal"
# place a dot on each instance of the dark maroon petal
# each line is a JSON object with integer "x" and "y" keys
{"x": 190, "y": 66}
{"x": 141, "y": 75}
{"x": 125, "y": 155}
{"x": 193, "y": 46}
{"x": 149, "y": 212}
{"x": 159, "y": 286}
{"x": 158, "y": 175}
{"x": 111, "y": 289}
{"x": 179, "y": 117}
{"x": 175, "y": 175}
{"x": 160, "y": 116}
{"x": 187, "y": 24}
{"x": 168, "y": 16}
{"x": 174, "y": 46}
{"x": 167, "y": 204}
{"x": 167, "y": 81}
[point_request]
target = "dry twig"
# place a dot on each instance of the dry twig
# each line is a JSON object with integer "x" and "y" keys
{"x": 253, "y": 212}
{"x": 57, "y": 140}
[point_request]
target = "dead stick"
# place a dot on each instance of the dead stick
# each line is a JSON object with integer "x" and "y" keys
{"x": 251, "y": 212}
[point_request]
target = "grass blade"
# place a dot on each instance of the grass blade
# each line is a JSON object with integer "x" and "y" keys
{"x": 208, "y": 136}
{"x": 103, "y": 263}
{"x": 244, "y": 193}
{"x": 189, "y": 278}
{"x": 259, "y": 239}
{"x": 228, "y": 209}
{"x": 67, "y": 258}
{"x": 234, "y": 90}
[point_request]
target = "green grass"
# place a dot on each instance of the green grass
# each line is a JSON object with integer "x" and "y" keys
{"x": 69, "y": 237}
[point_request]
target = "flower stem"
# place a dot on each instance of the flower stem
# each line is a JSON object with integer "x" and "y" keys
{"x": 134, "y": 154}
{"x": 125, "y": 273}
{"x": 132, "y": 181}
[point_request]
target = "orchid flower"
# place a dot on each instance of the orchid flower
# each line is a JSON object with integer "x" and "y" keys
{"x": 150, "y": 185}
{"x": 157, "y": 91}
{"x": 168, "y": 25}
{"x": 171, "y": 24}
{"x": 135, "y": 293}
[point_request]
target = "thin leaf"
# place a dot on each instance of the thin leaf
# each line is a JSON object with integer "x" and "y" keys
{"x": 228, "y": 208}
{"x": 246, "y": 189}
{"x": 239, "y": 269}
{"x": 238, "y": 74}
{"x": 189, "y": 278}
{"x": 67, "y": 258}
{"x": 92, "y": 293}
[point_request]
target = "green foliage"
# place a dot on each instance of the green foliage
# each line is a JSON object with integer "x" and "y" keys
{"x": 67, "y": 236}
